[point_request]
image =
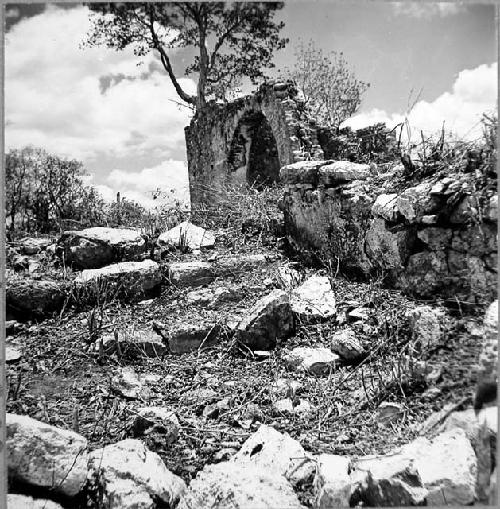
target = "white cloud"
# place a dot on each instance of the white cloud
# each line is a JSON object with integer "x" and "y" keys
{"x": 54, "y": 98}
{"x": 170, "y": 179}
{"x": 427, "y": 9}
{"x": 474, "y": 92}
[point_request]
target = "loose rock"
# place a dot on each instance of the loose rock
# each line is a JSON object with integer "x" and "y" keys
{"x": 187, "y": 236}
{"x": 267, "y": 322}
{"x": 314, "y": 299}
{"x": 317, "y": 361}
{"x": 157, "y": 419}
{"x": 347, "y": 346}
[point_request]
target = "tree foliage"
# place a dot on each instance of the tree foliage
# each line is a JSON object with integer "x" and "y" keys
{"x": 232, "y": 40}
{"x": 331, "y": 91}
{"x": 43, "y": 190}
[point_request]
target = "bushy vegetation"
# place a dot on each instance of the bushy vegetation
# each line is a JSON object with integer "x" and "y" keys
{"x": 332, "y": 93}
{"x": 46, "y": 194}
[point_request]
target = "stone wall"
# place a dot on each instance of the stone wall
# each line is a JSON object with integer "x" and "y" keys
{"x": 249, "y": 139}
{"x": 436, "y": 238}
{"x": 374, "y": 143}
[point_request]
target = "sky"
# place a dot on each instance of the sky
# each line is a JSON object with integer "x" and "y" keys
{"x": 123, "y": 120}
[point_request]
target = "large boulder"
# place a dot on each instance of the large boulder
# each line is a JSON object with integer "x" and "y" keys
{"x": 124, "y": 279}
{"x": 27, "y": 297}
{"x": 43, "y": 456}
{"x": 480, "y": 437}
{"x": 267, "y": 322}
{"x": 314, "y": 299}
{"x": 447, "y": 466}
{"x": 234, "y": 485}
{"x": 186, "y": 236}
{"x": 129, "y": 476}
{"x": 96, "y": 247}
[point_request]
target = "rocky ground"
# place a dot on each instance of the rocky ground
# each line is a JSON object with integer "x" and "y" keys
{"x": 202, "y": 349}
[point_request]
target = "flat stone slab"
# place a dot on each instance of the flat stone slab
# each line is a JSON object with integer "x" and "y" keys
{"x": 128, "y": 278}
{"x": 302, "y": 172}
{"x": 339, "y": 172}
{"x": 15, "y": 501}
{"x": 184, "y": 274}
{"x": 96, "y": 247}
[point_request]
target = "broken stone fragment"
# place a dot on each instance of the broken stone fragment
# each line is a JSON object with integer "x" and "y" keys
{"x": 385, "y": 207}
{"x": 317, "y": 360}
{"x": 158, "y": 419}
{"x": 314, "y": 299}
{"x": 427, "y": 325}
{"x": 43, "y": 456}
{"x": 346, "y": 344}
{"x": 332, "y": 484}
{"x": 144, "y": 342}
{"x": 267, "y": 322}
{"x": 289, "y": 406}
{"x": 389, "y": 412}
{"x": 129, "y": 384}
{"x": 129, "y": 476}
{"x": 285, "y": 388}
{"x": 186, "y": 235}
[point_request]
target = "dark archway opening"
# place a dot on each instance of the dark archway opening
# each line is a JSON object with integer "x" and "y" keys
{"x": 253, "y": 157}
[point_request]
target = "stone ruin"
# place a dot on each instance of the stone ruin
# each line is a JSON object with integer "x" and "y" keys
{"x": 431, "y": 237}
{"x": 249, "y": 139}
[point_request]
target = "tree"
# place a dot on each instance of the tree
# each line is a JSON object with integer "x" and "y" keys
{"x": 232, "y": 40}
{"x": 43, "y": 190}
{"x": 331, "y": 91}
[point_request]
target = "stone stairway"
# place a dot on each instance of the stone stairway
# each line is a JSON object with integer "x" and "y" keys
{"x": 199, "y": 335}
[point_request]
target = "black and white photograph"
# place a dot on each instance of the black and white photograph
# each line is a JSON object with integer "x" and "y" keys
{"x": 250, "y": 254}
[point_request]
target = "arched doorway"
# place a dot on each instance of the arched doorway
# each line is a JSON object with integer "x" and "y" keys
{"x": 253, "y": 156}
